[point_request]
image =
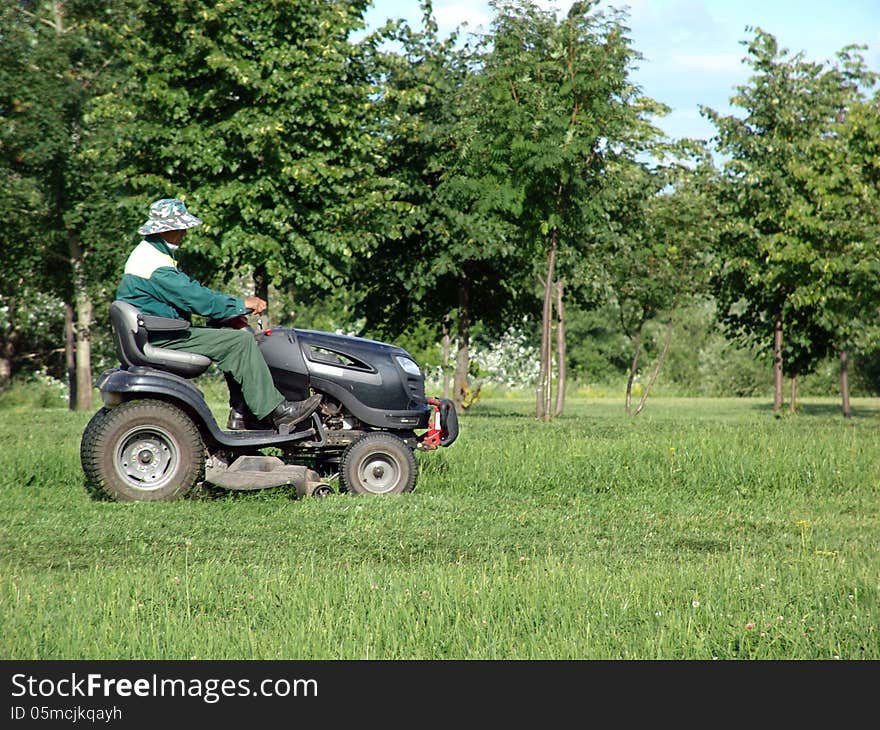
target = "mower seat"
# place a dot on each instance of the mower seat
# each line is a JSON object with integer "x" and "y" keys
{"x": 131, "y": 330}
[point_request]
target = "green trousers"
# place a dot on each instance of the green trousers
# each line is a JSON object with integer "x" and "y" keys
{"x": 236, "y": 353}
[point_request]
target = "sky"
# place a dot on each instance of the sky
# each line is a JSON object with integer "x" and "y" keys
{"x": 693, "y": 49}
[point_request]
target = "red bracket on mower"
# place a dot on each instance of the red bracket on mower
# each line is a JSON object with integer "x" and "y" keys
{"x": 443, "y": 428}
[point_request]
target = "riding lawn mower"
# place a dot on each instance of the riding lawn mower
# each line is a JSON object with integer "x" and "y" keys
{"x": 155, "y": 438}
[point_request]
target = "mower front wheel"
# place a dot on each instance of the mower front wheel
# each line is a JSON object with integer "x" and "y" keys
{"x": 144, "y": 450}
{"x": 378, "y": 463}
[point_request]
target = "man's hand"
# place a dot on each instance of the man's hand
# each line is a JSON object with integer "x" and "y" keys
{"x": 256, "y": 304}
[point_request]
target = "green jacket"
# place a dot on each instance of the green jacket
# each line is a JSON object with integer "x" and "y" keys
{"x": 153, "y": 283}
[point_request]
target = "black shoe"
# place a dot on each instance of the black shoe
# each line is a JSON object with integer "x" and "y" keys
{"x": 241, "y": 419}
{"x": 289, "y": 413}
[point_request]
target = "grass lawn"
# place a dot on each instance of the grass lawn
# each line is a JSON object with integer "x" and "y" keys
{"x": 704, "y": 528}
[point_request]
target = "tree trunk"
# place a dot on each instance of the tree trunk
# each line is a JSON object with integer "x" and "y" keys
{"x": 560, "y": 351}
{"x": 7, "y": 351}
{"x": 82, "y": 335}
{"x": 261, "y": 289}
{"x": 5, "y": 366}
{"x": 445, "y": 361}
{"x": 792, "y": 405}
{"x": 657, "y": 367}
{"x": 542, "y": 372}
{"x": 83, "y": 352}
{"x": 777, "y": 364}
{"x": 542, "y": 410}
{"x": 462, "y": 358}
{"x": 70, "y": 355}
{"x": 844, "y": 383}
{"x": 633, "y": 367}
{"x": 80, "y": 383}
{"x": 6, "y": 357}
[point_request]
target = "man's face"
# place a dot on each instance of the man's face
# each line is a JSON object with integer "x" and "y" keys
{"x": 173, "y": 237}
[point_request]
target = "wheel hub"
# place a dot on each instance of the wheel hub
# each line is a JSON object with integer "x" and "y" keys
{"x": 380, "y": 473}
{"x": 146, "y": 459}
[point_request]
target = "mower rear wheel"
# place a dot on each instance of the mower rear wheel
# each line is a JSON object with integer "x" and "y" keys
{"x": 378, "y": 463}
{"x": 143, "y": 450}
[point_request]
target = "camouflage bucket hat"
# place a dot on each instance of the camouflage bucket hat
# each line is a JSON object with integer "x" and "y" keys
{"x": 168, "y": 214}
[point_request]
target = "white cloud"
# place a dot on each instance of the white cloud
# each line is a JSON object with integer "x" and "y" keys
{"x": 451, "y": 15}
{"x": 561, "y": 7}
{"x": 724, "y": 63}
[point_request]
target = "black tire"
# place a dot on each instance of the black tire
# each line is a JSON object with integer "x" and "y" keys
{"x": 378, "y": 463}
{"x": 85, "y": 448}
{"x": 144, "y": 450}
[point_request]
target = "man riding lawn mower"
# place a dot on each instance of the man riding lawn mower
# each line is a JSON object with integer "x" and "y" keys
{"x": 334, "y": 406}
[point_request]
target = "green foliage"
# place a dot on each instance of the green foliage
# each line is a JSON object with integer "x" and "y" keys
{"x": 261, "y": 120}
{"x": 51, "y": 63}
{"x": 700, "y": 360}
{"x": 553, "y": 109}
{"x": 597, "y": 348}
{"x": 441, "y": 245}
{"x": 58, "y": 206}
{"x": 660, "y": 238}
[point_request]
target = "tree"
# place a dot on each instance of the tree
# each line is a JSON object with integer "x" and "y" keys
{"x": 778, "y": 247}
{"x": 260, "y": 118}
{"x": 849, "y": 170}
{"x": 446, "y": 258}
{"x": 658, "y": 247}
{"x": 51, "y": 64}
{"x": 556, "y": 108}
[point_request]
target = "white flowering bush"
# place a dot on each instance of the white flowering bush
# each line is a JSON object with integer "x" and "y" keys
{"x": 38, "y": 389}
{"x": 511, "y": 361}
{"x": 54, "y": 392}
{"x": 36, "y": 325}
